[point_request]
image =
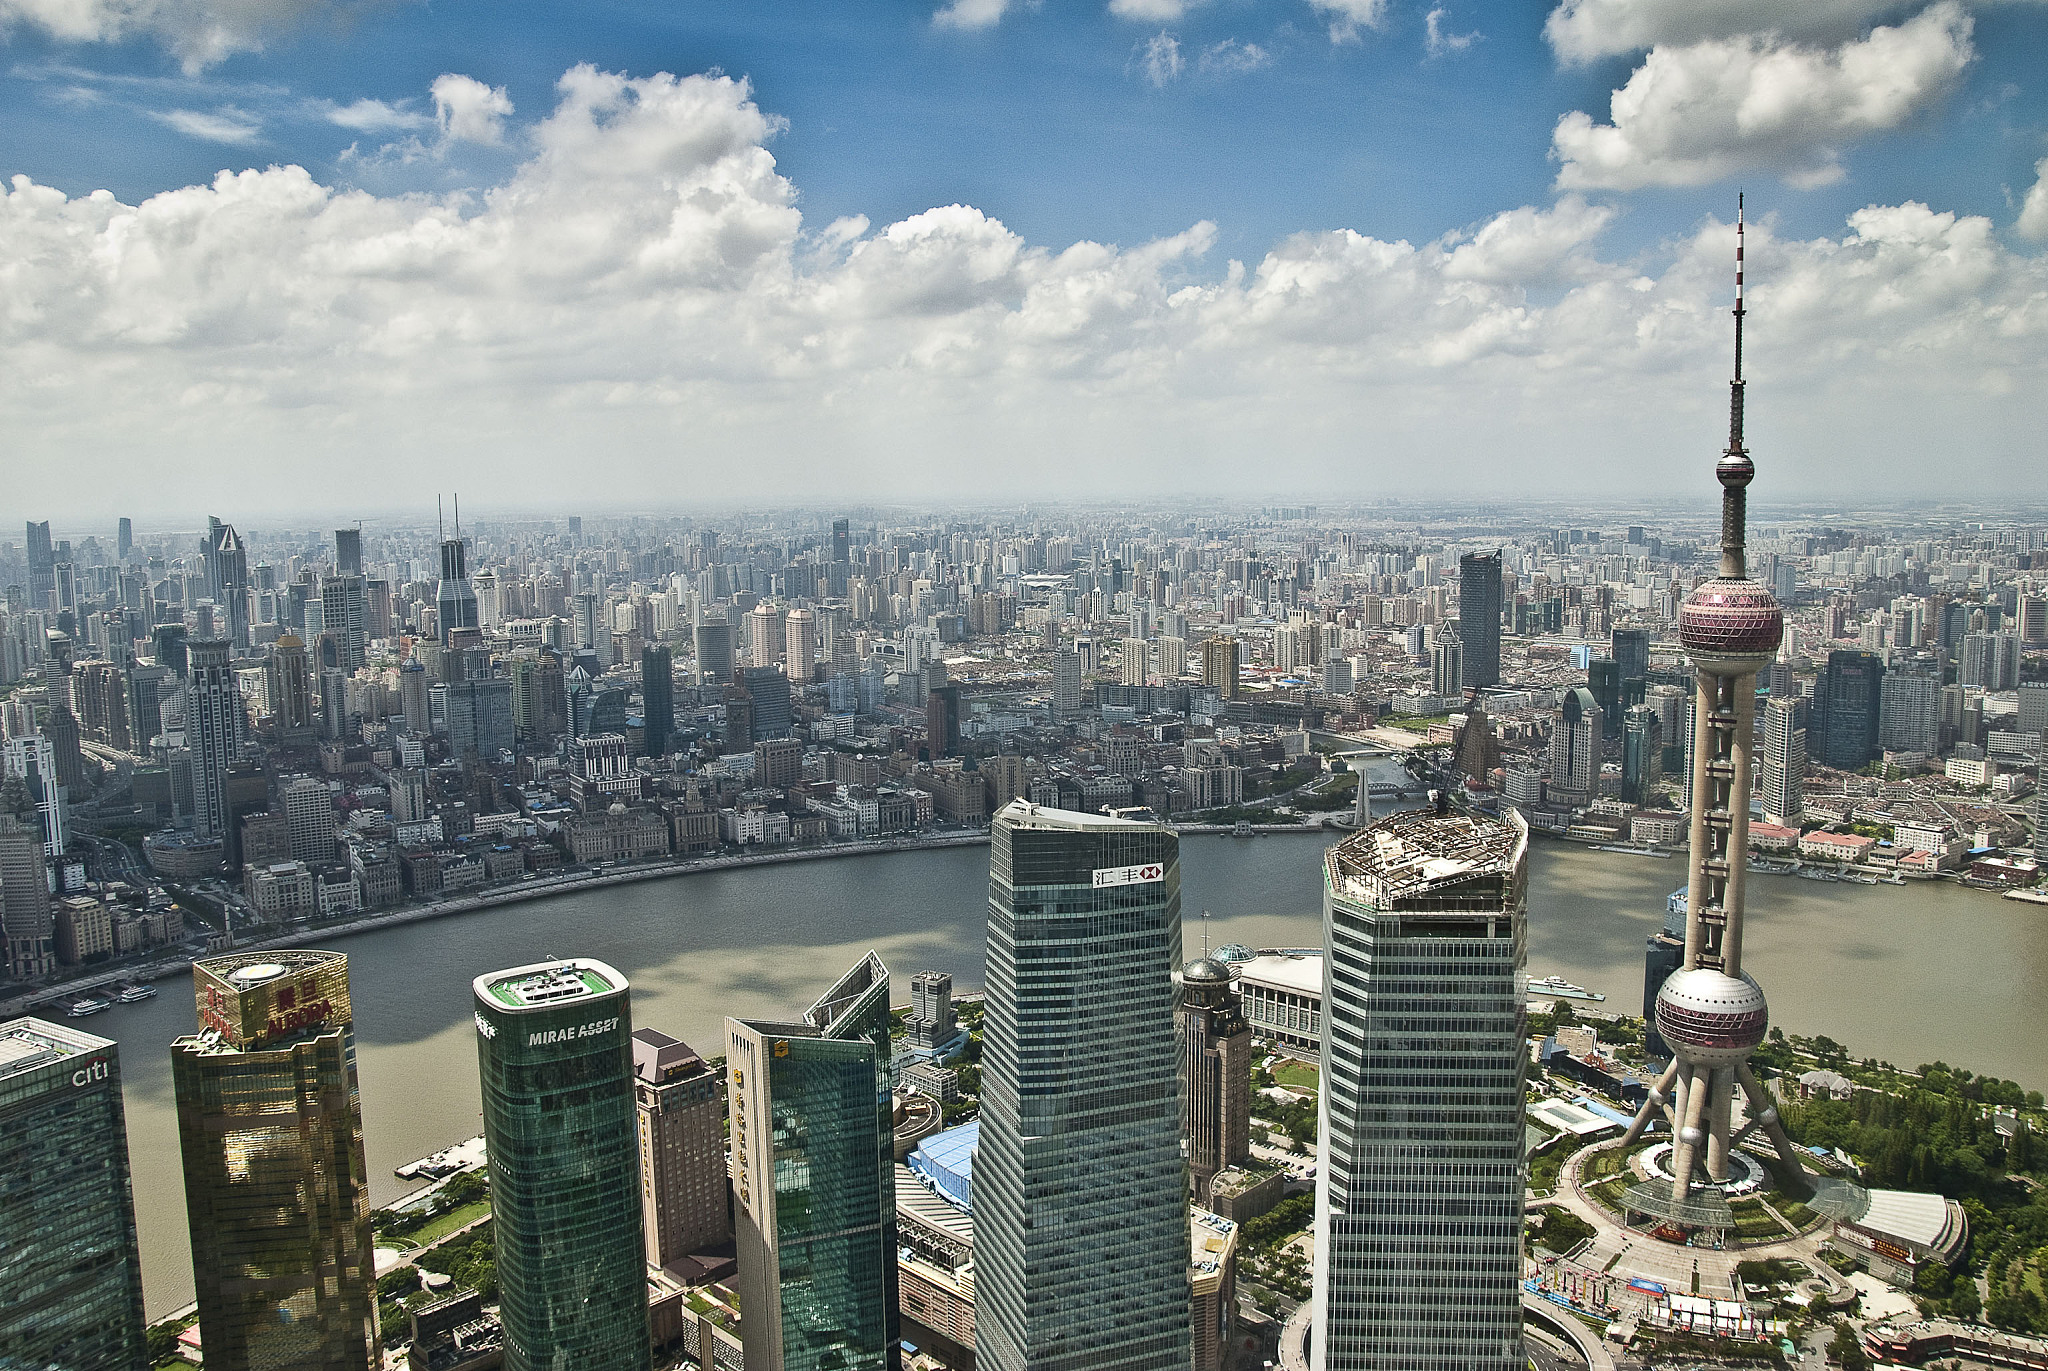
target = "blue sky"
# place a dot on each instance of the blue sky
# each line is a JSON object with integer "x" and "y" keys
{"x": 1069, "y": 122}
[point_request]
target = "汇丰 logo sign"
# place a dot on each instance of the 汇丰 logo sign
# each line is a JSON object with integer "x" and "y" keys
{"x": 1129, "y": 875}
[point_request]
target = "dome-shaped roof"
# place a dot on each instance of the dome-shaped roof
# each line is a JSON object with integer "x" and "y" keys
{"x": 1206, "y": 969}
{"x": 1712, "y": 1018}
{"x": 1731, "y": 627}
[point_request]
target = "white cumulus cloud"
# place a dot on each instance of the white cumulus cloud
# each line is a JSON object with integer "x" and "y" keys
{"x": 469, "y": 111}
{"x": 1158, "y": 59}
{"x": 374, "y": 116}
{"x": 1585, "y": 30}
{"x": 1696, "y": 113}
{"x": 199, "y": 32}
{"x": 1439, "y": 41}
{"x": 1347, "y": 17}
{"x": 1151, "y": 11}
{"x": 1232, "y": 58}
{"x": 2033, "y": 220}
{"x": 970, "y": 14}
{"x": 637, "y": 311}
{"x": 225, "y": 125}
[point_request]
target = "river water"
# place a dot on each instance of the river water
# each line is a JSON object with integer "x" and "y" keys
{"x": 1905, "y": 974}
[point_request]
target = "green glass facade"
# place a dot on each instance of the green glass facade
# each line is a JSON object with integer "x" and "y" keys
{"x": 814, "y": 1170}
{"x": 276, "y": 1187}
{"x": 1080, "y": 1188}
{"x": 70, "y": 1283}
{"x": 555, "y": 1058}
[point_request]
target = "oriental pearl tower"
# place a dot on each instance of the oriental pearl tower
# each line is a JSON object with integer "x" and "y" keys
{"x": 1712, "y": 1013}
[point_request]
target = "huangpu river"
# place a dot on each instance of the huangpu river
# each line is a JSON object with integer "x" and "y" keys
{"x": 1907, "y": 974}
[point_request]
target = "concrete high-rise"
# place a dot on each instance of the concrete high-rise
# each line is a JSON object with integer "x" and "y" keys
{"x": 1418, "y": 1214}
{"x": 344, "y": 616}
{"x": 1631, "y": 652}
{"x": 1709, "y": 1012}
{"x": 1080, "y": 1148}
{"x": 214, "y": 728}
{"x": 32, "y": 759}
{"x": 713, "y": 644}
{"x": 1575, "y": 748}
{"x": 1603, "y": 679}
{"x": 555, "y": 1059}
{"x": 348, "y": 551}
{"x": 1642, "y": 755}
{"x": 800, "y": 644}
{"x": 1446, "y": 662}
{"x": 71, "y": 1284}
{"x": 767, "y": 639}
{"x": 769, "y": 712}
{"x": 1781, "y": 765}
{"x": 657, "y": 698}
{"x": 1215, "y": 1073}
{"x": 680, "y": 1108}
{"x": 271, "y": 1124}
{"x": 930, "y": 1022}
{"x": 1066, "y": 684}
{"x": 228, "y": 569}
{"x": 942, "y": 721}
{"x": 26, "y": 921}
{"x": 309, "y": 819}
{"x": 42, "y": 567}
{"x": 455, "y": 597}
{"x": 1220, "y": 665}
{"x": 1848, "y": 708}
{"x": 814, "y": 1170}
{"x": 292, "y": 691}
{"x": 1479, "y": 618}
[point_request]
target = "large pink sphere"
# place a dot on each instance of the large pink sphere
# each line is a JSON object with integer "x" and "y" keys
{"x": 1731, "y": 628}
{"x": 1711, "y": 1018}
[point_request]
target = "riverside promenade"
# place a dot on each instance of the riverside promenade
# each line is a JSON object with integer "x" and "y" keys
{"x": 534, "y": 886}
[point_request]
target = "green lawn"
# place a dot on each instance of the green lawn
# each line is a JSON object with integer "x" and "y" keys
{"x": 439, "y": 1228}
{"x": 1298, "y": 1075}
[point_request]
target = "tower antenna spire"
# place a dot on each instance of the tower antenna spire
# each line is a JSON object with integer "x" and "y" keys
{"x": 440, "y": 522}
{"x": 1738, "y": 372}
{"x": 1735, "y": 470}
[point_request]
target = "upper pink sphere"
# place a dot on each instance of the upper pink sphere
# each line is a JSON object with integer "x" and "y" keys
{"x": 1735, "y": 470}
{"x": 1731, "y": 627}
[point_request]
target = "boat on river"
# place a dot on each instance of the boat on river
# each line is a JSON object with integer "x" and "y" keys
{"x": 134, "y": 992}
{"x": 1560, "y": 988}
{"x": 88, "y": 1004}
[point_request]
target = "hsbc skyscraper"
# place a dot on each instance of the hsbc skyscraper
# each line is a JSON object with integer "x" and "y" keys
{"x": 1080, "y": 1216}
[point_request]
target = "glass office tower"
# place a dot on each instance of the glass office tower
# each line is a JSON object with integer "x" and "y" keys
{"x": 70, "y": 1281}
{"x": 1419, "y": 1182}
{"x": 1080, "y": 1205}
{"x": 276, "y": 1188}
{"x": 555, "y": 1058}
{"x": 814, "y": 1169}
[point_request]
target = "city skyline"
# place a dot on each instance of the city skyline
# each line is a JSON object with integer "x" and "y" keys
{"x": 696, "y": 250}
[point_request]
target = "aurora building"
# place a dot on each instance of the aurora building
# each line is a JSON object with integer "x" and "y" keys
{"x": 71, "y": 1284}
{"x": 555, "y": 1059}
{"x": 814, "y": 1170}
{"x": 1419, "y": 1179}
{"x": 1080, "y": 1214}
{"x": 276, "y": 1188}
